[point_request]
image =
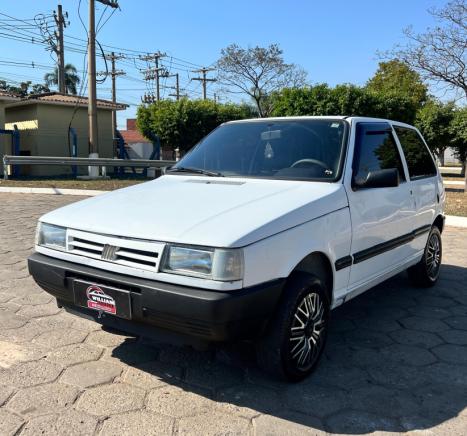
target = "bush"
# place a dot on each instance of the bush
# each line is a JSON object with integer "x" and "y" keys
{"x": 343, "y": 100}
{"x": 184, "y": 123}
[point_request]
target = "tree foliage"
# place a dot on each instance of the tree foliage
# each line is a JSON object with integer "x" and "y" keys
{"x": 342, "y": 100}
{"x": 440, "y": 54}
{"x": 458, "y": 143}
{"x": 397, "y": 78}
{"x": 72, "y": 79}
{"x": 183, "y": 123}
{"x": 434, "y": 122}
{"x": 24, "y": 89}
{"x": 257, "y": 72}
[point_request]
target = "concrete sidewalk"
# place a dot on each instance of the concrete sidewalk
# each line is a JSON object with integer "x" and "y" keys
{"x": 52, "y": 191}
{"x": 453, "y": 182}
{"x": 456, "y": 221}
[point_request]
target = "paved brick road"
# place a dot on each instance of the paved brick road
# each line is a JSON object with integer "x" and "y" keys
{"x": 396, "y": 361}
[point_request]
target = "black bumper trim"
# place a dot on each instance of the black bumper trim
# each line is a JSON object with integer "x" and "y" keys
{"x": 343, "y": 262}
{"x": 207, "y": 314}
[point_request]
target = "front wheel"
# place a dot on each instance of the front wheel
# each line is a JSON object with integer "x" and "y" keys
{"x": 295, "y": 339}
{"x": 426, "y": 272}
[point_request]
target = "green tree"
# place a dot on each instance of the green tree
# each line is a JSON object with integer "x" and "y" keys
{"x": 458, "y": 129}
{"x": 342, "y": 100}
{"x": 24, "y": 88}
{"x": 181, "y": 124}
{"x": 72, "y": 79}
{"x": 434, "y": 122}
{"x": 440, "y": 53}
{"x": 396, "y": 78}
{"x": 39, "y": 88}
{"x": 257, "y": 72}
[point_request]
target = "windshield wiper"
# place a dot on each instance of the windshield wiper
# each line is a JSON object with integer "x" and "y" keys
{"x": 195, "y": 171}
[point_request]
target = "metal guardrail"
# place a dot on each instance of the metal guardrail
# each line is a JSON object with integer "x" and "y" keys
{"x": 81, "y": 161}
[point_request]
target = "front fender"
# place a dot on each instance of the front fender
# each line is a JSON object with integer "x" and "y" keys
{"x": 277, "y": 256}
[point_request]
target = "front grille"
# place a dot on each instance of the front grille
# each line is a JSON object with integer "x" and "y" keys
{"x": 127, "y": 252}
{"x": 85, "y": 248}
{"x": 136, "y": 257}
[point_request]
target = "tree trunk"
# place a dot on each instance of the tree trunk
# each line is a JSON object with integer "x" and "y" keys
{"x": 260, "y": 108}
{"x": 441, "y": 158}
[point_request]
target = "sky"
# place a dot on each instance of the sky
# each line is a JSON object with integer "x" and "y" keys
{"x": 334, "y": 41}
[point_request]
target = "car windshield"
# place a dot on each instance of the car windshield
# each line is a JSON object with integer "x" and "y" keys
{"x": 308, "y": 149}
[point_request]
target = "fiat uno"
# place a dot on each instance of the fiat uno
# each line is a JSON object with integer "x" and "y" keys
{"x": 257, "y": 233}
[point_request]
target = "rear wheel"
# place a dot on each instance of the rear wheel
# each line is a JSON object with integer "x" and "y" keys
{"x": 295, "y": 339}
{"x": 426, "y": 272}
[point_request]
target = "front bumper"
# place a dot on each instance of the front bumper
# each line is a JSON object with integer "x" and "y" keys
{"x": 206, "y": 314}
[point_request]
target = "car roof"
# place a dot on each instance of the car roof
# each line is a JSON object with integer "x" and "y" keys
{"x": 351, "y": 119}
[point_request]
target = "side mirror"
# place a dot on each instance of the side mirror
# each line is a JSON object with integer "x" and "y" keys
{"x": 379, "y": 179}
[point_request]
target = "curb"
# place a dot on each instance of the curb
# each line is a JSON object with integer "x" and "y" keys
{"x": 456, "y": 221}
{"x": 53, "y": 191}
{"x": 453, "y": 182}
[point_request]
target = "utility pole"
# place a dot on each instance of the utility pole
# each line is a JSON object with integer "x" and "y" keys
{"x": 204, "y": 79}
{"x": 156, "y": 72}
{"x": 176, "y": 87}
{"x": 92, "y": 97}
{"x": 92, "y": 93}
{"x": 60, "y": 22}
{"x": 114, "y": 73}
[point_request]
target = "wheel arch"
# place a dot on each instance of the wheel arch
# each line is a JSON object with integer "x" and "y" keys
{"x": 318, "y": 264}
{"x": 439, "y": 222}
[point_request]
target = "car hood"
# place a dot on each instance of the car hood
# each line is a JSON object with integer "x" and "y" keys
{"x": 217, "y": 212}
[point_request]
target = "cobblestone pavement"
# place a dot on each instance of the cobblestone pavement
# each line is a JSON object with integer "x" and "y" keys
{"x": 396, "y": 361}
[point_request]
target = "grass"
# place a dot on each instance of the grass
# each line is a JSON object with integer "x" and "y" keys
{"x": 456, "y": 201}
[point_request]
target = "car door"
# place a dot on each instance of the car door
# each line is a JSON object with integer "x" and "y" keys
{"x": 382, "y": 216}
{"x": 423, "y": 178}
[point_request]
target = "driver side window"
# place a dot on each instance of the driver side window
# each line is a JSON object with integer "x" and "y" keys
{"x": 375, "y": 149}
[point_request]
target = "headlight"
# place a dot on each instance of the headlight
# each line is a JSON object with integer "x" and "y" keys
{"x": 215, "y": 264}
{"x": 51, "y": 236}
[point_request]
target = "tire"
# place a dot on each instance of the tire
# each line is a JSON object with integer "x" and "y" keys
{"x": 426, "y": 272}
{"x": 304, "y": 302}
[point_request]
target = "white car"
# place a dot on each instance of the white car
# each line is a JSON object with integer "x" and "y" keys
{"x": 257, "y": 233}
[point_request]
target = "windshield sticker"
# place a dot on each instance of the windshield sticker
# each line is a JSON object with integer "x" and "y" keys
{"x": 268, "y": 151}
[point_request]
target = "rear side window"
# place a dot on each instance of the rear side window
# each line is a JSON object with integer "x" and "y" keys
{"x": 376, "y": 150}
{"x": 416, "y": 153}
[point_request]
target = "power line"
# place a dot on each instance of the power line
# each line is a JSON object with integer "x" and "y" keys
{"x": 27, "y": 31}
{"x": 135, "y": 53}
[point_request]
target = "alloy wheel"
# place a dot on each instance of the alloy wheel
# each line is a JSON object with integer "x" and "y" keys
{"x": 433, "y": 256}
{"x": 307, "y": 332}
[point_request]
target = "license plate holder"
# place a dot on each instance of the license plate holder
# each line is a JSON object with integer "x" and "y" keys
{"x": 103, "y": 299}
